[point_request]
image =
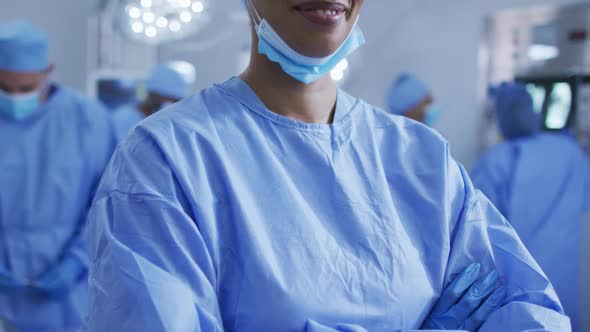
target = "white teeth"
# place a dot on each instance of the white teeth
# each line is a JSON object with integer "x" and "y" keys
{"x": 326, "y": 12}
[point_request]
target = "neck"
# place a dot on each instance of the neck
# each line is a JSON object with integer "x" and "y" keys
{"x": 284, "y": 95}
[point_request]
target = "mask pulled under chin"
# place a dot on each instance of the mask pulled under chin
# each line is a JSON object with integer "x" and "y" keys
{"x": 302, "y": 68}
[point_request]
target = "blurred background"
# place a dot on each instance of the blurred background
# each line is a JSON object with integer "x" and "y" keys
{"x": 459, "y": 48}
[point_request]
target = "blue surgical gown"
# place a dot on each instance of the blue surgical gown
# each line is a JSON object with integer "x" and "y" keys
{"x": 125, "y": 118}
{"x": 50, "y": 165}
{"x": 542, "y": 185}
{"x": 219, "y": 215}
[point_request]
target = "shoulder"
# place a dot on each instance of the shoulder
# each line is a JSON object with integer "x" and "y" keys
{"x": 562, "y": 141}
{"x": 152, "y": 155}
{"x": 136, "y": 164}
{"x": 402, "y": 126}
{"x": 410, "y": 140}
{"x": 570, "y": 149}
{"x": 89, "y": 112}
{"x": 497, "y": 160}
{"x": 188, "y": 128}
{"x": 195, "y": 114}
{"x": 85, "y": 123}
{"x": 85, "y": 104}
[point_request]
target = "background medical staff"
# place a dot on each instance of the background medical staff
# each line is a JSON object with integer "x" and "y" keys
{"x": 167, "y": 84}
{"x": 544, "y": 198}
{"x": 409, "y": 96}
{"x": 54, "y": 144}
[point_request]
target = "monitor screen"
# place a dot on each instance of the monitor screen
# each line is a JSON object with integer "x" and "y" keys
{"x": 559, "y": 105}
{"x": 538, "y": 94}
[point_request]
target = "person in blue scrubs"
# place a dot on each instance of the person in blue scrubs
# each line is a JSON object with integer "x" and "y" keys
{"x": 410, "y": 97}
{"x": 540, "y": 181}
{"x": 114, "y": 93}
{"x": 276, "y": 202}
{"x": 54, "y": 145}
{"x": 167, "y": 84}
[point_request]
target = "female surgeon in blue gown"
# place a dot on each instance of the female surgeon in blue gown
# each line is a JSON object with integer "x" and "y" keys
{"x": 276, "y": 202}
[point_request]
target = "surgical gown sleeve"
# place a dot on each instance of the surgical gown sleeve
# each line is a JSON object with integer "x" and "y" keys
{"x": 481, "y": 234}
{"x": 313, "y": 326}
{"x": 152, "y": 269}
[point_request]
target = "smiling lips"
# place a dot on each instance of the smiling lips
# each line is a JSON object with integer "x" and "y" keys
{"x": 322, "y": 12}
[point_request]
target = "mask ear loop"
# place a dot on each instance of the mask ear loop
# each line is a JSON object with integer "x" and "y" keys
{"x": 253, "y": 13}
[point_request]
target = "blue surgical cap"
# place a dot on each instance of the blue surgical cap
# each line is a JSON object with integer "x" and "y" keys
{"x": 173, "y": 79}
{"x": 406, "y": 93}
{"x": 514, "y": 110}
{"x": 23, "y": 47}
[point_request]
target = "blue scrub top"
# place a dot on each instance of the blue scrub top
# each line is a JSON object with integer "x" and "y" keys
{"x": 541, "y": 184}
{"x": 124, "y": 119}
{"x": 217, "y": 214}
{"x": 50, "y": 165}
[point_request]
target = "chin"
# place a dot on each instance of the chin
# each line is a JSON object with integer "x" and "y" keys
{"x": 323, "y": 45}
{"x": 323, "y": 49}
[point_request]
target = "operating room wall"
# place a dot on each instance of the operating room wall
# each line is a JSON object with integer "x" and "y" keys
{"x": 66, "y": 24}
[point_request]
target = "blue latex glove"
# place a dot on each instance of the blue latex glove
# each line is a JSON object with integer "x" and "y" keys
{"x": 61, "y": 279}
{"x": 9, "y": 285}
{"x": 466, "y": 303}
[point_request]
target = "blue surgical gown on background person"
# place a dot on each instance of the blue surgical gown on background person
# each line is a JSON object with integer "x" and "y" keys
{"x": 542, "y": 185}
{"x": 50, "y": 165}
{"x": 124, "y": 119}
{"x": 217, "y": 214}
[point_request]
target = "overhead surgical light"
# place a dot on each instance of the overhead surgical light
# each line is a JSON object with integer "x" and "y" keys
{"x": 162, "y": 22}
{"x": 186, "y": 17}
{"x": 148, "y": 17}
{"x": 198, "y": 7}
{"x": 146, "y": 3}
{"x": 175, "y": 26}
{"x": 137, "y": 27}
{"x": 134, "y": 12}
{"x": 158, "y": 21}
